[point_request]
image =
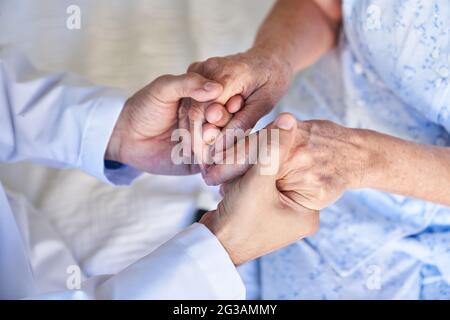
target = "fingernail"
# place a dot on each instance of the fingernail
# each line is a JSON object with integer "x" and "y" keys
{"x": 210, "y": 86}
{"x": 285, "y": 122}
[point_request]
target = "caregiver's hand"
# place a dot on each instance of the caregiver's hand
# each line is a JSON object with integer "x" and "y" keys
{"x": 253, "y": 83}
{"x": 324, "y": 161}
{"x": 142, "y": 135}
{"x": 256, "y": 217}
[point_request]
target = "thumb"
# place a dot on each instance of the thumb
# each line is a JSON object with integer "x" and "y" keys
{"x": 282, "y": 134}
{"x": 286, "y": 126}
{"x": 171, "y": 88}
{"x": 274, "y": 152}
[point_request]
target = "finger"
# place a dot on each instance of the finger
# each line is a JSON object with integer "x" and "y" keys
{"x": 235, "y": 103}
{"x": 217, "y": 114}
{"x": 196, "y": 121}
{"x": 236, "y": 160}
{"x": 202, "y": 134}
{"x": 272, "y": 153}
{"x": 286, "y": 124}
{"x": 248, "y": 116}
{"x": 195, "y": 67}
{"x": 171, "y": 89}
{"x": 245, "y": 119}
{"x": 183, "y": 115}
{"x": 210, "y": 133}
{"x": 233, "y": 162}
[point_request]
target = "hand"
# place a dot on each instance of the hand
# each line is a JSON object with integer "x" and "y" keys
{"x": 253, "y": 82}
{"x": 324, "y": 161}
{"x": 256, "y": 217}
{"x": 142, "y": 135}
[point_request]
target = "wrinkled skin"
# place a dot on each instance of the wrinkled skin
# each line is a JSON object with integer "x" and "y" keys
{"x": 324, "y": 161}
{"x": 253, "y": 83}
{"x": 256, "y": 216}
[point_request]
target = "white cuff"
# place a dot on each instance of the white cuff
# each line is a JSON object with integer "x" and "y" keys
{"x": 97, "y": 132}
{"x": 202, "y": 246}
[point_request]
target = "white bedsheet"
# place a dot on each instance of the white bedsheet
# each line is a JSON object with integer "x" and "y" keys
{"x": 122, "y": 43}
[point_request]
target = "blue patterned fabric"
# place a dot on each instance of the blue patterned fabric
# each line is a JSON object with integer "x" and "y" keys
{"x": 390, "y": 73}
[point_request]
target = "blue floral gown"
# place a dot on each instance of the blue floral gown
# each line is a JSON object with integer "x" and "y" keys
{"x": 390, "y": 73}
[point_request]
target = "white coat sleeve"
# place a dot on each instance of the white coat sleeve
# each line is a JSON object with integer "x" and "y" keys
{"x": 59, "y": 120}
{"x": 62, "y": 121}
{"x": 192, "y": 265}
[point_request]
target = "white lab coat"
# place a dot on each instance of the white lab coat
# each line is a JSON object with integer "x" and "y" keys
{"x": 61, "y": 121}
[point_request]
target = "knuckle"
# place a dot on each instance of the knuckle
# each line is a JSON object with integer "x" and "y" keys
{"x": 212, "y": 63}
{"x": 315, "y": 126}
{"x": 164, "y": 78}
{"x": 194, "y": 66}
{"x": 242, "y": 66}
{"x": 323, "y": 122}
{"x": 304, "y": 130}
{"x": 160, "y": 83}
{"x": 227, "y": 76}
{"x": 192, "y": 76}
{"x": 323, "y": 127}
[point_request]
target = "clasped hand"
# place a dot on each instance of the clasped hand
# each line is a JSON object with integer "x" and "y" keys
{"x": 315, "y": 160}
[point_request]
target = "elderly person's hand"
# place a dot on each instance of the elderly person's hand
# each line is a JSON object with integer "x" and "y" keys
{"x": 256, "y": 216}
{"x": 294, "y": 35}
{"x": 327, "y": 159}
{"x": 253, "y": 83}
{"x": 324, "y": 160}
{"x": 142, "y": 134}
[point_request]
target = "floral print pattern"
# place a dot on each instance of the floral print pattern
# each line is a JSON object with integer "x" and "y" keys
{"x": 390, "y": 73}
